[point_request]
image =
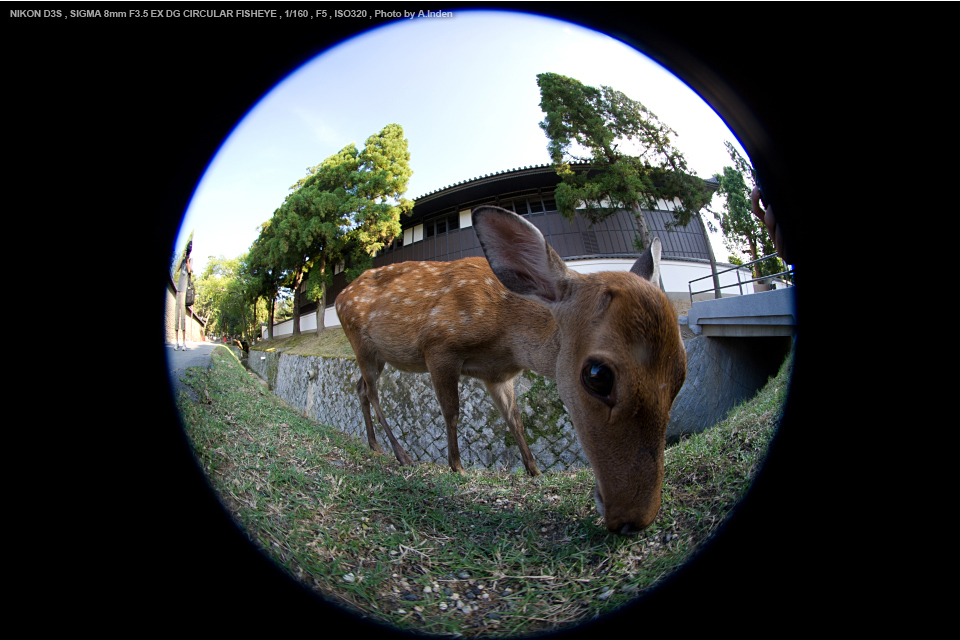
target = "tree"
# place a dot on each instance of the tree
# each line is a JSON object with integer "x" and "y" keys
{"x": 630, "y": 159}
{"x": 288, "y": 249}
{"x": 222, "y": 296}
{"x": 375, "y": 197}
{"x": 177, "y": 258}
{"x": 607, "y": 124}
{"x": 266, "y": 279}
{"x": 742, "y": 232}
{"x": 329, "y": 182}
{"x": 348, "y": 206}
{"x": 307, "y": 230}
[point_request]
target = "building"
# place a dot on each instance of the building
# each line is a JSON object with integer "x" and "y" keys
{"x": 439, "y": 228}
{"x": 196, "y": 326}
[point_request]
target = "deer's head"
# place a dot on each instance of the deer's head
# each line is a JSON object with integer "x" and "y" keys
{"x": 620, "y": 365}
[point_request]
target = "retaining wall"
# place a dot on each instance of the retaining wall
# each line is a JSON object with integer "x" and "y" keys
{"x": 720, "y": 373}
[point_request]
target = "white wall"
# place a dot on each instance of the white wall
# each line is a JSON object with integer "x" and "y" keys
{"x": 675, "y": 273}
{"x": 308, "y": 323}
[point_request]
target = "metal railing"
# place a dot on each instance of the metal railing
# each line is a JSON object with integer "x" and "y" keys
{"x": 739, "y": 282}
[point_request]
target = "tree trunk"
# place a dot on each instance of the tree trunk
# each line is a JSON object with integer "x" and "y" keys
{"x": 642, "y": 227}
{"x": 296, "y": 303}
{"x": 322, "y": 303}
{"x": 273, "y": 305}
{"x": 321, "y": 311}
{"x": 753, "y": 252}
{"x": 713, "y": 259}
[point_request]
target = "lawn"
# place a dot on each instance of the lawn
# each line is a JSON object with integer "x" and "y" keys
{"x": 489, "y": 553}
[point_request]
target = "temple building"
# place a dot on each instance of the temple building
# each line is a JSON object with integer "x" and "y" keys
{"x": 440, "y": 229}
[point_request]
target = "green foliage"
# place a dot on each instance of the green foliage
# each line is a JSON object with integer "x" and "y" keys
{"x": 376, "y": 198}
{"x": 631, "y": 156}
{"x": 742, "y": 231}
{"x": 223, "y": 297}
{"x": 176, "y": 260}
{"x": 344, "y": 210}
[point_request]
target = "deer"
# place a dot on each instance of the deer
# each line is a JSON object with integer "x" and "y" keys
{"x": 610, "y": 340}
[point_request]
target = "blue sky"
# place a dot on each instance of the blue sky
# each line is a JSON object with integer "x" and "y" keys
{"x": 463, "y": 88}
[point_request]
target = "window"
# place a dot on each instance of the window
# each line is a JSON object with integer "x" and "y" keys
{"x": 442, "y": 225}
{"x": 536, "y": 206}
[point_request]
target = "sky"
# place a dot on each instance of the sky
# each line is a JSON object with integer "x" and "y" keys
{"x": 463, "y": 89}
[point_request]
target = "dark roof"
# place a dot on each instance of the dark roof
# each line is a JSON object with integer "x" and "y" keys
{"x": 489, "y": 186}
{"x": 485, "y": 187}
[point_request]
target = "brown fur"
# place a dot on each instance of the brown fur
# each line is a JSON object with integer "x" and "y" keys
{"x": 458, "y": 318}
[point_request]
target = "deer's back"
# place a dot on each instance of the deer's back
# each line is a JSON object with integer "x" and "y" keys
{"x": 457, "y": 309}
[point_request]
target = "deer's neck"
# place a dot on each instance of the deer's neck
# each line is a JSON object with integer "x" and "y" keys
{"x": 536, "y": 340}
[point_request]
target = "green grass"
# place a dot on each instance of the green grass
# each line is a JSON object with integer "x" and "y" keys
{"x": 404, "y": 545}
{"x": 332, "y": 343}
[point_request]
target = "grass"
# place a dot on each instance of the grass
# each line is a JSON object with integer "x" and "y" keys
{"x": 333, "y": 343}
{"x": 426, "y": 550}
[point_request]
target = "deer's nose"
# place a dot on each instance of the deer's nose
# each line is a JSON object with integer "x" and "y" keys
{"x": 623, "y": 528}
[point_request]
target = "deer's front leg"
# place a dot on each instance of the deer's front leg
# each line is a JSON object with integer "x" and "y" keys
{"x": 370, "y": 371}
{"x": 365, "y": 409}
{"x": 446, "y": 376}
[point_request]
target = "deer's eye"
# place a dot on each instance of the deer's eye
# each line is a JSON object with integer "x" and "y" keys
{"x": 598, "y": 379}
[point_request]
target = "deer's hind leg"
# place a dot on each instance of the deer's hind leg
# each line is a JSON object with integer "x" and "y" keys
{"x": 501, "y": 393}
{"x": 367, "y": 390}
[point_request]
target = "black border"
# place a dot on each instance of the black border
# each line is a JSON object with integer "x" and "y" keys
{"x": 138, "y": 111}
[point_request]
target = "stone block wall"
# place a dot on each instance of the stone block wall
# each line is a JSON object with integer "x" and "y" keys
{"x": 325, "y": 390}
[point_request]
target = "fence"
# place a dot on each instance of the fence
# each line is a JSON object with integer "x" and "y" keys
{"x": 740, "y": 282}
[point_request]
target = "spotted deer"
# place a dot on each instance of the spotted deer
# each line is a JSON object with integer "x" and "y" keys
{"x": 611, "y": 340}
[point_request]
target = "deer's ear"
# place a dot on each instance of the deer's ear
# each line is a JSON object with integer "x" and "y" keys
{"x": 518, "y": 254}
{"x": 647, "y": 265}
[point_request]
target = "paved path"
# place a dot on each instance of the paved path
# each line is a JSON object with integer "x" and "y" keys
{"x": 196, "y": 355}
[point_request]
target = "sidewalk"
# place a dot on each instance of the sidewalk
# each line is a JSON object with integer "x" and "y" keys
{"x": 196, "y": 355}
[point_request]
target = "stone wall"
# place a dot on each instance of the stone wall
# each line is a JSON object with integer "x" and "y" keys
{"x": 720, "y": 373}
{"x": 325, "y": 390}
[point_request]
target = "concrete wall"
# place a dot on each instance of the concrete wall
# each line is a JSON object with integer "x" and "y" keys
{"x": 675, "y": 274}
{"x": 720, "y": 373}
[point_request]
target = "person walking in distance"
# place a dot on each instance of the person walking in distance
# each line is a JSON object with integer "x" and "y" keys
{"x": 180, "y": 317}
